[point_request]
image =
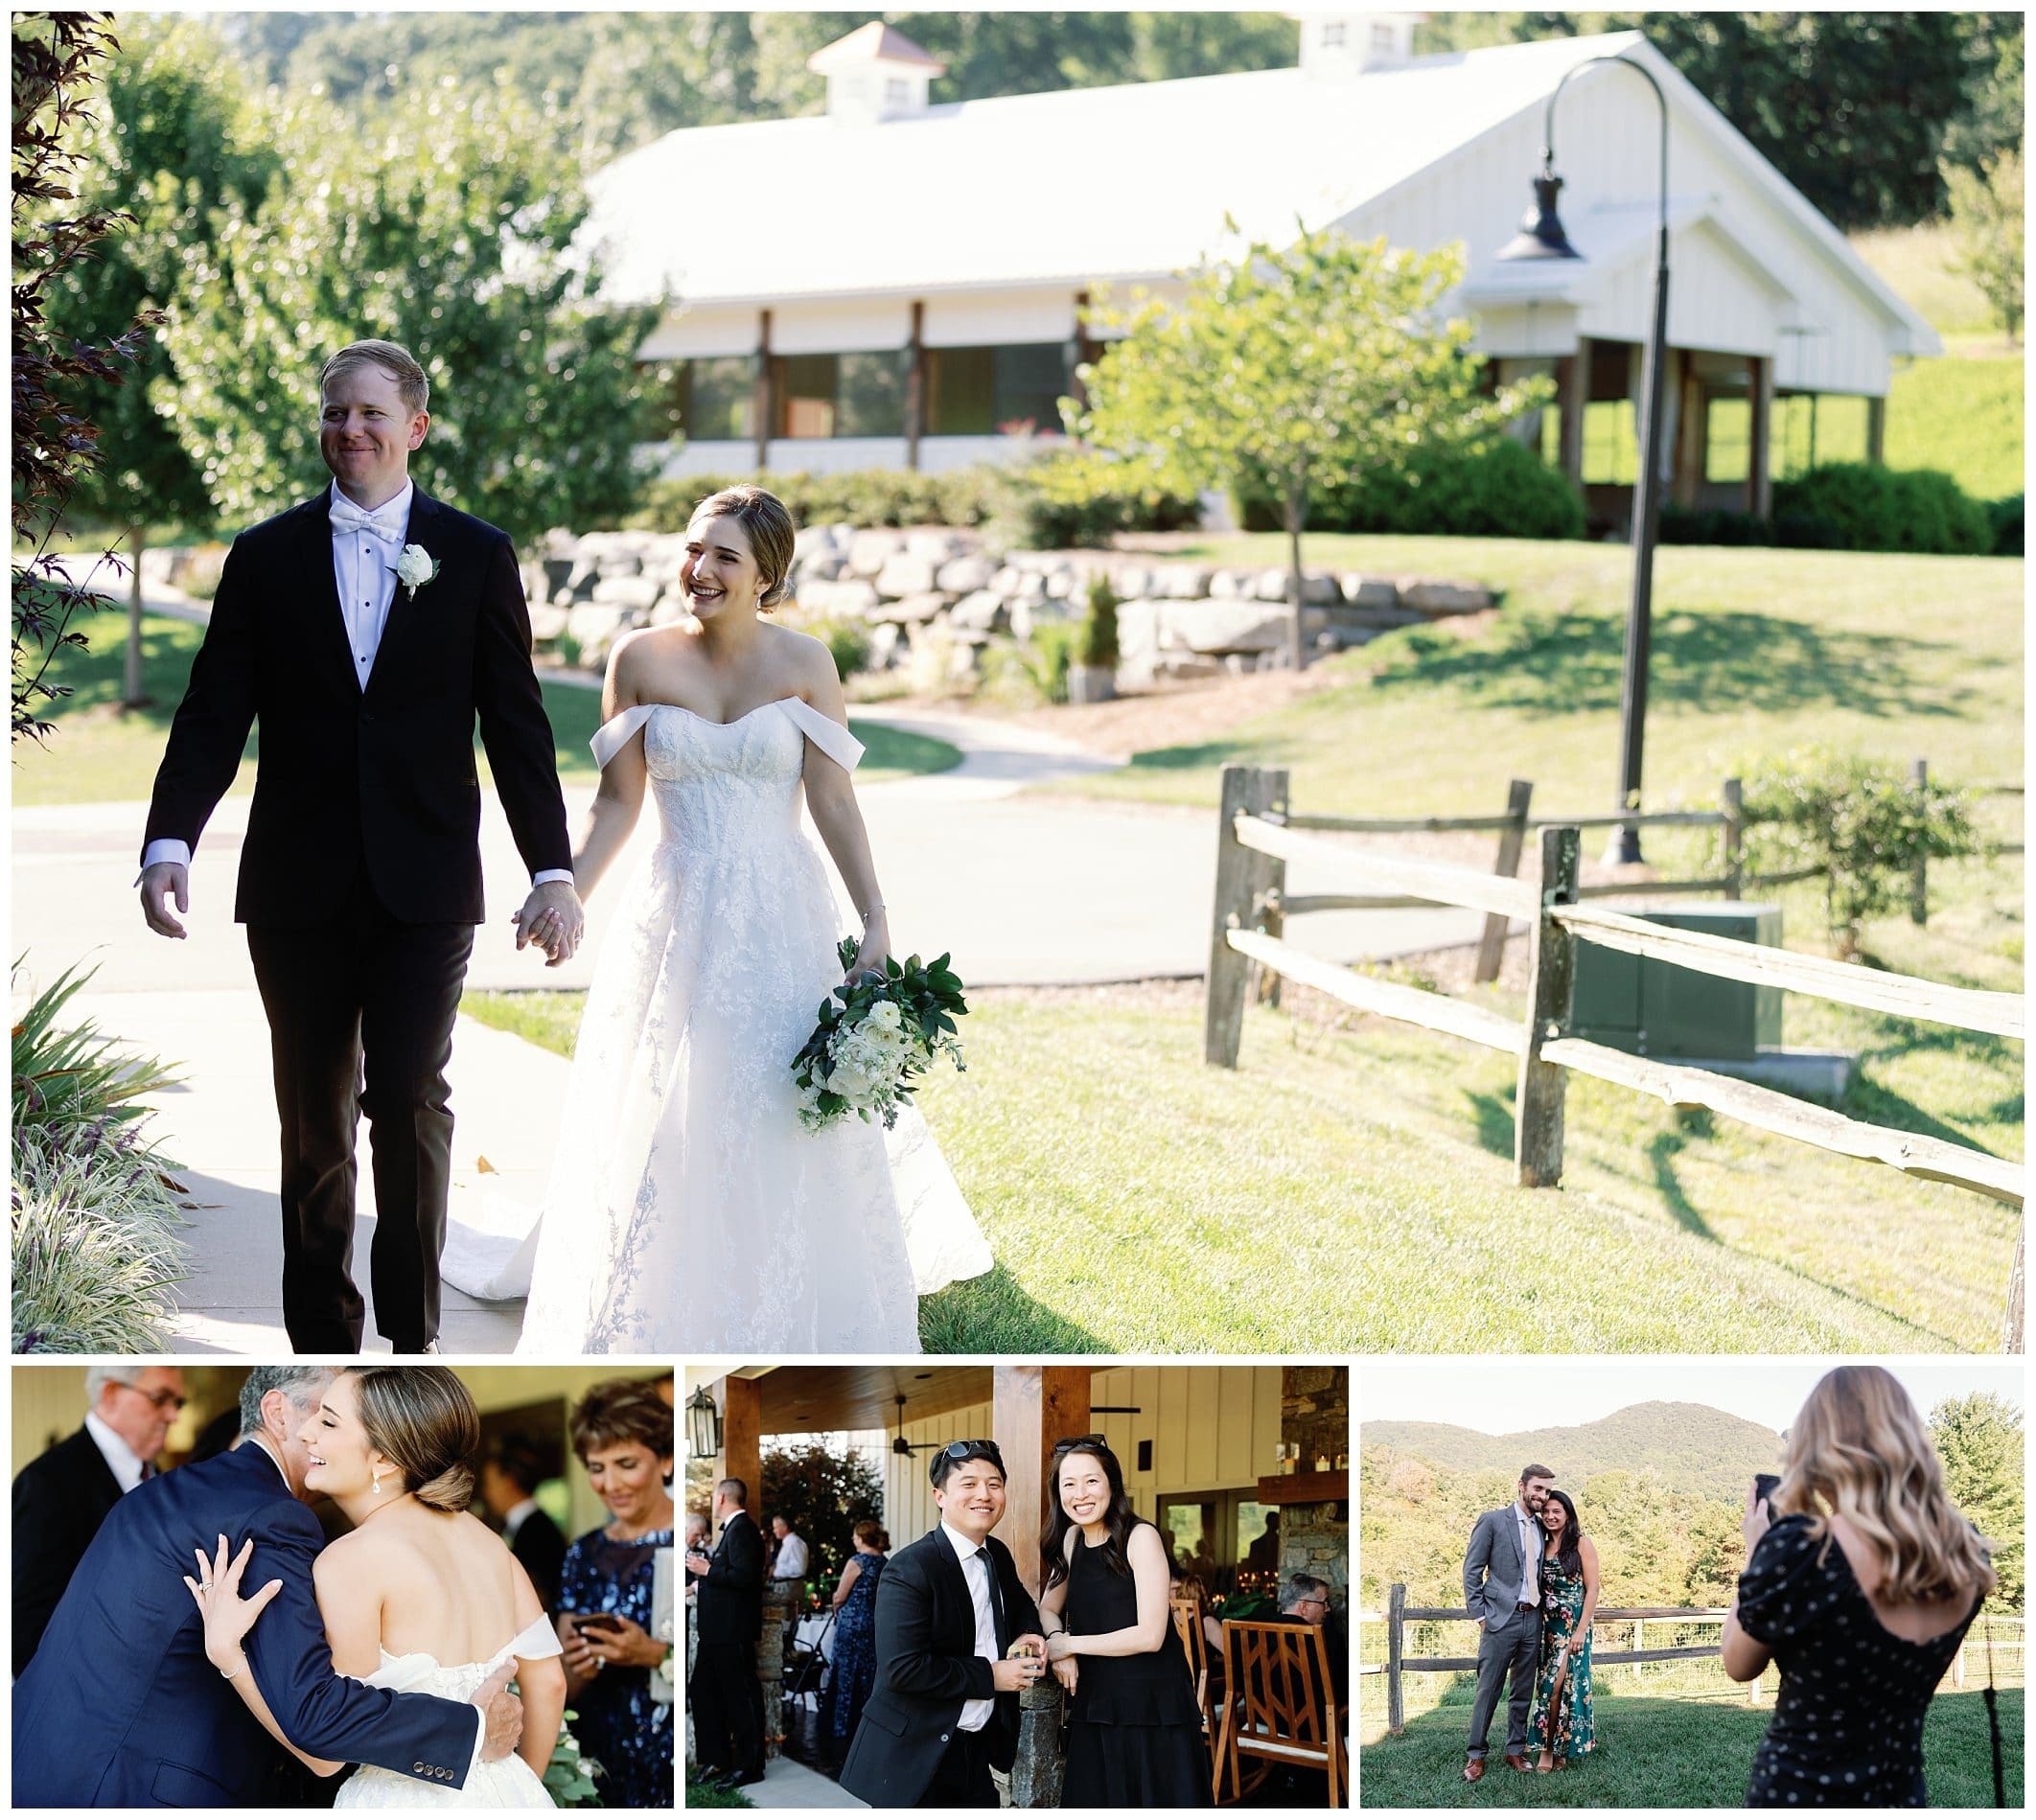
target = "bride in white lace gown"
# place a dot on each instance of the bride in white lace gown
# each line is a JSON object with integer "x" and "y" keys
{"x": 420, "y": 1596}
{"x": 689, "y": 1208}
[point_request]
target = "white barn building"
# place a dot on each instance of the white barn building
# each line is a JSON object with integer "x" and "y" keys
{"x": 896, "y": 284}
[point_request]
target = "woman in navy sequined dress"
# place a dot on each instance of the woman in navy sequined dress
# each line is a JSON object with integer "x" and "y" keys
{"x": 853, "y": 1668}
{"x": 622, "y": 1433}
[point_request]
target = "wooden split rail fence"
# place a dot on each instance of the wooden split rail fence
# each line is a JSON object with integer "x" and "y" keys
{"x": 1397, "y": 1664}
{"x": 1258, "y": 836}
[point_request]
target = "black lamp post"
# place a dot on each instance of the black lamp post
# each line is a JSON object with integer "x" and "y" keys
{"x": 1542, "y": 237}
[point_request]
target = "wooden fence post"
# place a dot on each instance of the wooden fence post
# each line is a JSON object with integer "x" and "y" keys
{"x": 1919, "y": 872}
{"x": 1491, "y": 944}
{"x": 1732, "y": 801}
{"x": 2012, "y": 1339}
{"x": 1537, "y": 1106}
{"x": 1243, "y": 876}
{"x": 1396, "y": 1655}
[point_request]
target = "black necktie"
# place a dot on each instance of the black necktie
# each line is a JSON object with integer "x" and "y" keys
{"x": 995, "y": 1596}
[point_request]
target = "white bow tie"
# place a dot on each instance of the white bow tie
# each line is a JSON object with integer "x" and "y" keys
{"x": 348, "y": 516}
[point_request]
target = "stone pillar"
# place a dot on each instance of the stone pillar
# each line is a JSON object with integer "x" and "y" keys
{"x": 1031, "y": 1406}
{"x": 1315, "y": 1416}
{"x": 770, "y": 1669}
{"x": 1691, "y": 425}
{"x": 1036, "y": 1771}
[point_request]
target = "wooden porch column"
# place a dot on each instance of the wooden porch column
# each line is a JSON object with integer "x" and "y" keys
{"x": 1572, "y": 394}
{"x": 741, "y": 1400}
{"x": 1031, "y": 1406}
{"x": 1691, "y": 430}
{"x": 915, "y": 387}
{"x": 1877, "y": 431}
{"x": 1760, "y": 464}
{"x": 761, "y": 406}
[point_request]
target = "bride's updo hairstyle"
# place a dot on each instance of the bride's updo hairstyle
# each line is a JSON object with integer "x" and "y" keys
{"x": 1858, "y": 1447}
{"x": 422, "y": 1417}
{"x": 767, "y": 522}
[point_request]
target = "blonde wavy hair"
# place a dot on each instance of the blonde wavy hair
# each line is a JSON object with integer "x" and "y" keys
{"x": 1859, "y": 1449}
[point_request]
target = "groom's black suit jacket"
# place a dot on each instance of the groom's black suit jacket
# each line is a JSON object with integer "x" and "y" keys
{"x": 729, "y": 1605}
{"x": 120, "y": 1708}
{"x": 381, "y": 776}
{"x": 927, "y": 1669}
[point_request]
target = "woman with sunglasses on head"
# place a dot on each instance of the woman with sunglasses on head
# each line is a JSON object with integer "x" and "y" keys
{"x": 1134, "y": 1737}
{"x": 1861, "y": 1579}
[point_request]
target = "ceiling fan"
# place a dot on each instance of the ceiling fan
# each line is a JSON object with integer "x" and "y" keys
{"x": 901, "y": 1445}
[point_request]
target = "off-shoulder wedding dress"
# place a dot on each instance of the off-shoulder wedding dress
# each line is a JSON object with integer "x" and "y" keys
{"x": 689, "y": 1208}
{"x": 509, "y": 1783}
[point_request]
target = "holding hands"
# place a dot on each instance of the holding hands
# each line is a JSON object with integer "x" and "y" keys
{"x": 552, "y": 917}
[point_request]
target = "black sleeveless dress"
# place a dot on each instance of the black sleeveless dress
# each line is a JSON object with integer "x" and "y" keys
{"x": 1134, "y": 1736}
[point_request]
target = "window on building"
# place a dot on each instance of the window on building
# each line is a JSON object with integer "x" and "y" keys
{"x": 1728, "y": 439}
{"x": 897, "y": 92}
{"x": 1333, "y": 34}
{"x": 870, "y": 394}
{"x": 805, "y": 387}
{"x": 985, "y": 391}
{"x": 1223, "y": 1538}
{"x": 717, "y": 399}
{"x": 660, "y": 412}
{"x": 1611, "y": 450}
{"x": 1381, "y": 35}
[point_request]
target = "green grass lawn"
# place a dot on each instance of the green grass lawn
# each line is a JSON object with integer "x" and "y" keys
{"x": 1691, "y": 1751}
{"x": 1754, "y": 652}
{"x": 1350, "y": 1187}
{"x": 99, "y": 754}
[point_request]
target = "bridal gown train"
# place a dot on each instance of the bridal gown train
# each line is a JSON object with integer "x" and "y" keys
{"x": 510, "y": 1783}
{"x": 689, "y": 1208}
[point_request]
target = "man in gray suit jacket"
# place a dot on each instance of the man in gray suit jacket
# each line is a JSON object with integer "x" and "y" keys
{"x": 1502, "y": 1586}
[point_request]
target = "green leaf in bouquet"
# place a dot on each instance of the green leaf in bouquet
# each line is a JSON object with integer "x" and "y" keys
{"x": 845, "y": 950}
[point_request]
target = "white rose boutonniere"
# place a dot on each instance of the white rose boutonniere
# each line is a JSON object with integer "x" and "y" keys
{"x": 414, "y": 567}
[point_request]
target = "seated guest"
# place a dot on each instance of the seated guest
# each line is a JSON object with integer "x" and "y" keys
{"x": 63, "y": 1496}
{"x": 1305, "y": 1599}
{"x": 509, "y": 1479}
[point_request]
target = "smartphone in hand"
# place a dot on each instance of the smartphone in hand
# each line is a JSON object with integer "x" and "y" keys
{"x": 1764, "y": 1483}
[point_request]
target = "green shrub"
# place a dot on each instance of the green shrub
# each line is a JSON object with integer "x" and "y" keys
{"x": 1712, "y": 525}
{"x": 1099, "y": 646}
{"x": 94, "y": 1240}
{"x": 1863, "y": 822}
{"x": 1501, "y": 489}
{"x": 2004, "y": 518}
{"x": 1071, "y": 499}
{"x": 866, "y": 497}
{"x": 848, "y": 642}
{"x": 1857, "y": 505}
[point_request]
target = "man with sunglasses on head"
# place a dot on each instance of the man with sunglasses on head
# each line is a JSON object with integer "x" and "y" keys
{"x": 949, "y": 1610}
{"x": 63, "y": 1496}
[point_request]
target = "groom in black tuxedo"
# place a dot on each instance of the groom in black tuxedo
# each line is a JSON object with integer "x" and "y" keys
{"x": 366, "y": 629}
{"x": 724, "y": 1695}
{"x": 944, "y": 1708}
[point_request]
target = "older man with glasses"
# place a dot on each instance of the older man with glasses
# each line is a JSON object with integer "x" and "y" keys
{"x": 63, "y": 1494}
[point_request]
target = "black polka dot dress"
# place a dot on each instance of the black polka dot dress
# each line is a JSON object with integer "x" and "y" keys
{"x": 1847, "y": 1730}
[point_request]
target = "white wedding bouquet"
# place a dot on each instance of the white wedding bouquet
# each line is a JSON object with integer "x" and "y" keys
{"x": 874, "y": 1038}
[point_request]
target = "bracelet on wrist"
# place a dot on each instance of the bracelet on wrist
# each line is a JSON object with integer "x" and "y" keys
{"x": 232, "y": 1674}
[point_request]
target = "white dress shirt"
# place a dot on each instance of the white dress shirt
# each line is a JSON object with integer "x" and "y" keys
{"x": 365, "y": 572}
{"x": 122, "y": 1460}
{"x": 976, "y": 1570}
{"x": 1530, "y": 1555}
{"x": 791, "y": 1562}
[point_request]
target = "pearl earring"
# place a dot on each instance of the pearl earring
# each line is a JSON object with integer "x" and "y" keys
{"x": 377, "y": 1482}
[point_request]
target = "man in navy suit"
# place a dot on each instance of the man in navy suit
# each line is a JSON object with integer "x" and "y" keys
{"x": 119, "y": 1708}
{"x": 944, "y": 1710}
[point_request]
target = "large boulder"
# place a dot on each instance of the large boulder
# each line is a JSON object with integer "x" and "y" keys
{"x": 1370, "y": 591}
{"x": 546, "y": 621}
{"x": 965, "y": 574}
{"x": 1444, "y": 600}
{"x": 984, "y": 612}
{"x": 937, "y": 544}
{"x": 905, "y": 574}
{"x": 597, "y": 626}
{"x": 911, "y": 610}
{"x": 837, "y": 600}
{"x": 869, "y": 550}
{"x": 633, "y": 593}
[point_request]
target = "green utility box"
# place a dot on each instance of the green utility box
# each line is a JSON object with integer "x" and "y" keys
{"x": 1649, "y": 1007}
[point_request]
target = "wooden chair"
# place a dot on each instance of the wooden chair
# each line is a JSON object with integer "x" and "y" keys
{"x": 1187, "y": 1614}
{"x": 1279, "y": 1706}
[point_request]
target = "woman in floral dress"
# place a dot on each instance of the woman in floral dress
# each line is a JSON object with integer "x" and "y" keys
{"x": 1562, "y": 1731}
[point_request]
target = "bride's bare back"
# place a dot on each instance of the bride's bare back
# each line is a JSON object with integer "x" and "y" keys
{"x": 417, "y": 1581}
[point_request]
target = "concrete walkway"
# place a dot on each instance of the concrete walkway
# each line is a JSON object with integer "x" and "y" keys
{"x": 1023, "y": 889}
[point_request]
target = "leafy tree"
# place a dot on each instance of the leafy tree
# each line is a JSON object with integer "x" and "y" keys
{"x": 169, "y": 149}
{"x": 1299, "y": 367}
{"x": 59, "y": 60}
{"x": 823, "y": 1493}
{"x": 1987, "y": 223}
{"x": 445, "y": 220}
{"x": 1991, "y": 122}
{"x": 1979, "y": 1438}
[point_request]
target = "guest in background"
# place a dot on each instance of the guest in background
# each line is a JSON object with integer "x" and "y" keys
{"x": 723, "y": 1695}
{"x": 854, "y": 1664}
{"x": 63, "y": 1496}
{"x": 698, "y": 1526}
{"x": 622, "y": 1433}
{"x": 1861, "y": 1581}
{"x": 1305, "y": 1599}
{"x": 509, "y": 1479}
{"x": 788, "y": 1554}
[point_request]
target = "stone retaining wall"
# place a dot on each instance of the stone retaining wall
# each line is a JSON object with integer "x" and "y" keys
{"x": 936, "y": 598}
